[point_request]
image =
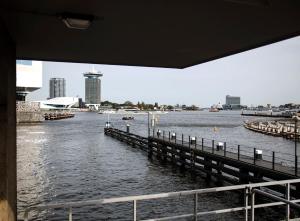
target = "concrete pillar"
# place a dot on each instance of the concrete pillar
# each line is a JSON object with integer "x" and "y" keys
{"x": 8, "y": 187}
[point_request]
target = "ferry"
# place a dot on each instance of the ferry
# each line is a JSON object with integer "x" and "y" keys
{"x": 212, "y": 109}
{"x": 128, "y": 118}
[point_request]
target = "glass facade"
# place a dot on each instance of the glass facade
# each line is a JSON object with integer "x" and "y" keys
{"x": 57, "y": 87}
{"x": 232, "y": 100}
{"x": 92, "y": 90}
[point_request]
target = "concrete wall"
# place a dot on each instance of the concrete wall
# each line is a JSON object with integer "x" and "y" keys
{"x": 8, "y": 190}
{"x": 29, "y": 112}
{"x": 30, "y": 117}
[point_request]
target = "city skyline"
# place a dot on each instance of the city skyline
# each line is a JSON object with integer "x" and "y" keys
{"x": 266, "y": 75}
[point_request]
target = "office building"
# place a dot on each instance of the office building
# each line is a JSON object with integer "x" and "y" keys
{"x": 29, "y": 77}
{"x": 57, "y": 87}
{"x": 233, "y": 100}
{"x": 93, "y": 88}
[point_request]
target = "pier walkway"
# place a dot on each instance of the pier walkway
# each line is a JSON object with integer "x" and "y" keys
{"x": 234, "y": 166}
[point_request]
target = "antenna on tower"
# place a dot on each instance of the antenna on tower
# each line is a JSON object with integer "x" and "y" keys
{"x": 93, "y": 69}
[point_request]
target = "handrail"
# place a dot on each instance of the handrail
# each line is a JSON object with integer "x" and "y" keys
{"x": 135, "y": 199}
{"x": 273, "y": 161}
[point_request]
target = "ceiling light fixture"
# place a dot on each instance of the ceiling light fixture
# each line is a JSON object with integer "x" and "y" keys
{"x": 77, "y": 21}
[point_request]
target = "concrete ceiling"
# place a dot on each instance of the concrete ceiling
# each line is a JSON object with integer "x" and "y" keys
{"x": 157, "y": 33}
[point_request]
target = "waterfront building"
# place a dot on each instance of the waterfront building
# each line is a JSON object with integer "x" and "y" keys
{"x": 232, "y": 102}
{"x": 57, "y": 87}
{"x": 129, "y": 39}
{"x": 29, "y": 78}
{"x": 93, "y": 89}
{"x": 60, "y": 103}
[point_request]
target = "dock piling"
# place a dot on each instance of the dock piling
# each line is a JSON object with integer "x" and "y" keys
{"x": 254, "y": 155}
{"x": 273, "y": 160}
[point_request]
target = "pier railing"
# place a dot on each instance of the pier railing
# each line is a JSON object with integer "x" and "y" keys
{"x": 251, "y": 193}
{"x": 256, "y": 156}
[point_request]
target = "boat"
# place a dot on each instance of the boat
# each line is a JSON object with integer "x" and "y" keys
{"x": 107, "y": 112}
{"x": 127, "y": 118}
{"x": 214, "y": 110}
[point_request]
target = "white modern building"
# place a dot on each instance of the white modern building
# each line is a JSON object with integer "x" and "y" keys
{"x": 29, "y": 77}
{"x": 59, "y": 103}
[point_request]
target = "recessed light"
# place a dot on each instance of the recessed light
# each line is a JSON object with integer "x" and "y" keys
{"x": 77, "y": 21}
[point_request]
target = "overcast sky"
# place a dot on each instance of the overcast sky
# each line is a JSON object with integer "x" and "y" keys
{"x": 269, "y": 74}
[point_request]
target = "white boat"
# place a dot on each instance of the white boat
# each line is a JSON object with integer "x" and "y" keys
{"x": 160, "y": 112}
{"x": 107, "y": 112}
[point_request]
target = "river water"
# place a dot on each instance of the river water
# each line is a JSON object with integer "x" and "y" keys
{"x": 72, "y": 160}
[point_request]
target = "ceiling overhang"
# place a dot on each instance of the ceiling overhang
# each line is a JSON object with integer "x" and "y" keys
{"x": 173, "y": 34}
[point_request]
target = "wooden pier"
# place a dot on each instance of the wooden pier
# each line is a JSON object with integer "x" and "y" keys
{"x": 266, "y": 115}
{"x": 208, "y": 160}
{"x": 58, "y": 116}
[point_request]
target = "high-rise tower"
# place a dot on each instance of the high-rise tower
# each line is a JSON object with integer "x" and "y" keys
{"x": 93, "y": 87}
{"x": 57, "y": 87}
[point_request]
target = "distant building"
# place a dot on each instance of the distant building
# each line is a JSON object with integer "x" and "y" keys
{"x": 29, "y": 77}
{"x": 93, "y": 89}
{"x": 57, "y": 87}
{"x": 232, "y": 102}
{"x": 60, "y": 103}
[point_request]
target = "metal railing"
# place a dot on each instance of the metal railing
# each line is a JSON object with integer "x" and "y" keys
{"x": 271, "y": 159}
{"x": 250, "y": 190}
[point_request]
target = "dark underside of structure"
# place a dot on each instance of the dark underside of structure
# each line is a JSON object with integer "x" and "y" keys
{"x": 174, "y": 34}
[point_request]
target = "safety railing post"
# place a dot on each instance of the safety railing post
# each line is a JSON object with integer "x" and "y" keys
{"x": 239, "y": 147}
{"x": 212, "y": 146}
{"x": 70, "y": 214}
{"x": 287, "y": 193}
{"x": 254, "y": 151}
{"x": 134, "y": 210}
{"x": 169, "y": 135}
{"x": 252, "y": 205}
{"x": 163, "y": 135}
{"x": 153, "y": 132}
{"x": 195, "y": 207}
{"x": 195, "y": 142}
{"x": 224, "y": 149}
{"x": 246, "y": 192}
{"x": 182, "y": 139}
{"x": 189, "y": 141}
{"x": 202, "y": 143}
